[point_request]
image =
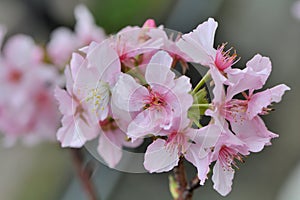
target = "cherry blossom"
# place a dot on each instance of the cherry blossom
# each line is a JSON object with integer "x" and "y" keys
{"x": 198, "y": 45}
{"x": 156, "y": 105}
{"x": 120, "y": 90}
{"x": 163, "y": 155}
{"x": 28, "y": 109}
{"x": 64, "y": 41}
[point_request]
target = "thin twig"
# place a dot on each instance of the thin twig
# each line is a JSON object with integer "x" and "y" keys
{"x": 84, "y": 174}
{"x": 194, "y": 184}
{"x": 185, "y": 190}
{"x": 180, "y": 177}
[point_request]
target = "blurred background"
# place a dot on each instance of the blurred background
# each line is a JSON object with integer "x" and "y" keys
{"x": 45, "y": 172}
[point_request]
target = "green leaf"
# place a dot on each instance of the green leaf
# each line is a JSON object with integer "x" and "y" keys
{"x": 194, "y": 113}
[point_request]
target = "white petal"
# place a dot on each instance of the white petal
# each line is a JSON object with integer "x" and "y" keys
{"x": 263, "y": 99}
{"x": 106, "y": 60}
{"x": 158, "y": 70}
{"x": 128, "y": 94}
{"x": 109, "y": 151}
{"x": 199, "y": 43}
{"x": 160, "y": 159}
{"x": 222, "y": 179}
{"x": 202, "y": 164}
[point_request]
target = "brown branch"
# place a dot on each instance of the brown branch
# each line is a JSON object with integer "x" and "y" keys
{"x": 180, "y": 177}
{"x": 185, "y": 190}
{"x": 84, "y": 174}
{"x": 194, "y": 184}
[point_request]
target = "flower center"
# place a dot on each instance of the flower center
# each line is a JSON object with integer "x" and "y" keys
{"x": 99, "y": 96}
{"x": 154, "y": 100}
{"x": 176, "y": 140}
{"x": 15, "y": 76}
{"x": 227, "y": 157}
{"x": 223, "y": 58}
{"x": 235, "y": 110}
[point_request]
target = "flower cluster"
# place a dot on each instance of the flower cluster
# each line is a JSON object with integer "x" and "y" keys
{"x": 28, "y": 108}
{"x": 29, "y": 73}
{"x": 123, "y": 88}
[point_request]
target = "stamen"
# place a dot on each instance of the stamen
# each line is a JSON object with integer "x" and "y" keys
{"x": 223, "y": 59}
{"x": 227, "y": 157}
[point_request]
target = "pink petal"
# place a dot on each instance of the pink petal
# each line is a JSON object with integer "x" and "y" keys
{"x": 218, "y": 91}
{"x": 158, "y": 70}
{"x": 160, "y": 159}
{"x": 85, "y": 27}
{"x": 262, "y": 66}
{"x": 77, "y": 62}
{"x": 67, "y": 134}
{"x": 145, "y": 123}
{"x": 69, "y": 79}
{"x": 222, "y": 179}
{"x": 106, "y": 60}
{"x": 202, "y": 164}
{"x": 149, "y": 23}
{"x": 65, "y": 101}
{"x": 128, "y": 94}
{"x": 199, "y": 43}
{"x": 22, "y": 52}
{"x": 254, "y": 133}
{"x": 205, "y": 138}
{"x": 63, "y": 42}
{"x": 253, "y": 77}
{"x": 263, "y": 99}
{"x": 110, "y": 149}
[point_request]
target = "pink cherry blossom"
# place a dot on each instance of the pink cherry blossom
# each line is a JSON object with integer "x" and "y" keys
{"x": 64, "y": 41}
{"x": 169, "y": 45}
{"x": 134, "y": 45}
{"x": 155, "y": 106}
{"x": 198, "y": 45}
{"x": 256, "y": 73}
{"x": 149, "y": 23}
{"x": 78, "y": 125}
{"x": 243, "y": 114}
{"x": 96, "y": 78}
{"x": 163, "y": 155}
{"x": 248, "y": 132}
{"x": 228, "y": 149}
{"x": 28, "y": 109}
{"x": 86, "y": 103}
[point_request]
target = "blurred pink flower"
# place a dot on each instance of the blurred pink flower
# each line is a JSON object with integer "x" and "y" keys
{"x": 64, "y": 41}
{"x": 27, "y": 107}
{"x": 134, "y": 45}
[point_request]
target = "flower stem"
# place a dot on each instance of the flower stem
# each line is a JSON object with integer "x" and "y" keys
{"x": 137, "y": 74}
{"x": 201, "y": 105}
{"x": 84, "y": 174}
{"x": 205, "y": 78}
{"x": 184, "y": 189}
{"x": 194, "y": 184}
{"x": 180, "y": 177}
